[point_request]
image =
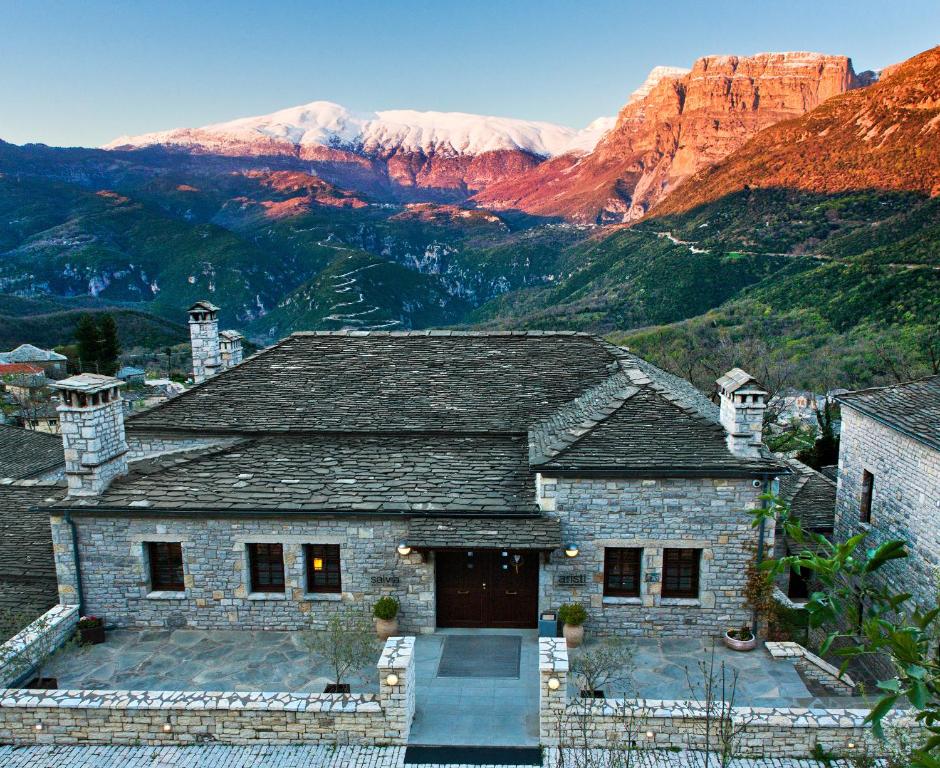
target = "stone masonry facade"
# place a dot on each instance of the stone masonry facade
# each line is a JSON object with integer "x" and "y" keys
{"x": 95, "y": 450}
{"x": 653, "y": 514}
{"x": 905, "y": 499}
{"x": 116, "y": 582}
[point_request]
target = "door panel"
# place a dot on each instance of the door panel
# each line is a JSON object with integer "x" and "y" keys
{"x": 487, "y": 588}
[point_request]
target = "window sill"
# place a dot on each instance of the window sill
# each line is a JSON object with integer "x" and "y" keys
{"x": 166, "y": 595}
{"x": 266, "y": 596}
{"x": 681, "y": 602}
{"x": 612, "y": 600}
{"x": 323, "y": 597}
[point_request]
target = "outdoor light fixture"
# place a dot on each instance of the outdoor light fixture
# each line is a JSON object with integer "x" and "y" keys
{"x": 554, "y": 683}
{"x": 392, "y": 679}
{"x": 650, "y": 734}
{"x": 851, "y": 745}
{"x": 403, "y": 549}
{"x": 167, "y": 727}
{"x": 38, "y": 726}
{"x": 571, "y": 550}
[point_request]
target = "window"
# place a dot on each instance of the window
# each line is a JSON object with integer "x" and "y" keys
{"x": 680, "y": 572}
{"x": 622, "y": 572}
{"x": 266, "y": 563}
{"x": 166, "y": 566}
{"x": 868, "y": 485}
{"x": 323, "y": 573}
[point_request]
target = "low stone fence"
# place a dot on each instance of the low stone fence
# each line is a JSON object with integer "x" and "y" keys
{"x": 762, "y": 731}
{"x": 177, "y": 717}
{"x": 813, "y": 667}
{"x": 46, "y": 634}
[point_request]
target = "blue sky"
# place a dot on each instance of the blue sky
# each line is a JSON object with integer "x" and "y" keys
{"x": 83, "y": 72}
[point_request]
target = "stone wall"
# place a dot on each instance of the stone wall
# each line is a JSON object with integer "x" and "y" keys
{"x": 812, "y": 666}
{"x": 174, "y": 717}
{"x": 764, "y": 731}
{"x": 45, "y": 635}
{"x": 94, "y": 446}
{"x": 204, "y": 338}
{"x": 144, "y": 445}
{"x": 905, "y": 500}
{"x": 706, "y": 514}
{"x": 116, "y": 581}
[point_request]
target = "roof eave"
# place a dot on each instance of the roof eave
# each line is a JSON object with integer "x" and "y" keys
{"x": 890, "y": 424}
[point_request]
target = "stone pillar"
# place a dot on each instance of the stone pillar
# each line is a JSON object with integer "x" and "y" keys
{"x": 204, "y": 336}
{"x": 397, "y": 688}
{"x": 743, "y": 402}
{"x": 91, "y": 420}
{"x": 553, "y": 665}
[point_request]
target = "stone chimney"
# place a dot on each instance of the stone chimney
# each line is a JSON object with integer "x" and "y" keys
{"x": 743, "y": 401}
{"x": 204, "y": 334}
{"x": 91, "y": 418}
{"x": 230, "y": 346}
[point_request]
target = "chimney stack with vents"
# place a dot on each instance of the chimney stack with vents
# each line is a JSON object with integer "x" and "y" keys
{"x": 204, "y": 334}
{"x": 91, "y": 418}
{"x": 743, "y": 402}
{"x": 230, "y": 345}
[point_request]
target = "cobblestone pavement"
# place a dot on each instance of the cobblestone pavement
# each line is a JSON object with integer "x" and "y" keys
{"x": 293, "y": 757}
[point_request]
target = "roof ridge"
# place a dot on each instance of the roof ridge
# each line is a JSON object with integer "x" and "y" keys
{"x": 884, "y": 387}
{"x": 446, "y": 332}
{"x": 641, "y": 379}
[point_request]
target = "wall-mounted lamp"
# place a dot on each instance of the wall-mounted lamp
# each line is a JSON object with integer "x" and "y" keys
{"x": 650, "y": 734}
{"x": 403, "y": 549}
{"x": 571, "y": 550}
{"x": 391, "y": 679}
{"x": 554, "y": 683}
{"x": 167, "y": 727}
{"x": 851, "y": 745}
{"x": 38, "y": 726}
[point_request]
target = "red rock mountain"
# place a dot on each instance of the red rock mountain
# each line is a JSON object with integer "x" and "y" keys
{"x": 685, "y": 123}
{"x": 885, "y": 136}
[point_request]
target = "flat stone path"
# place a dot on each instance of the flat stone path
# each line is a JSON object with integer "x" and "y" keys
{"x": 298, "y": 757}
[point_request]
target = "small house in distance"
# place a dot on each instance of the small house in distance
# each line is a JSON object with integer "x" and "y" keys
{"x": 131, "y": 375}
{"x": 51, "y": 363}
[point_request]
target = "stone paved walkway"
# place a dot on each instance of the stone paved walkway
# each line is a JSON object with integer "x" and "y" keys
{"x": 194, "y": 660}
{"x": 292, "y": 757}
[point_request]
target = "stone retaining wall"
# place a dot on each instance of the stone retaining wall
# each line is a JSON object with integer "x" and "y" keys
{"x": 766, "y": 732}
{"x": 813, "y": 667}
{"x": 176, "y": 717}
{"x": 16, "y": 653}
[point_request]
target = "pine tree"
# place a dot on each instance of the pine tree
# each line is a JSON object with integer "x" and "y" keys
{"x": 89, "y": 344}
{"x": 110, "y": 348}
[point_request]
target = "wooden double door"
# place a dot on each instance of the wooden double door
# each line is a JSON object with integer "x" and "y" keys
{"x": 487, "y": 588}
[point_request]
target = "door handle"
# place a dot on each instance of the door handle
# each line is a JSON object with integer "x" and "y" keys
{"x": 484, "y": 585}
{"x": 463, "y": 591}
{"x": 511, "y": 593}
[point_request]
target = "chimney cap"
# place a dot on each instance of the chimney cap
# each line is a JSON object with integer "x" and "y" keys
{"x": 203, "y": 306}
{"x": 736, "y": 379}
{"x": 88, "y": 383}
{"x": 231, "y": 335}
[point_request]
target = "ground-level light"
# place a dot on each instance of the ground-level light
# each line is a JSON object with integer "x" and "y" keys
{"x": 554, "y": 683}
{"x": 392, "y": 679}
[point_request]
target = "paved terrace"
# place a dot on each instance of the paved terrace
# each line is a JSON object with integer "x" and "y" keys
{"x": 298, "y": 757}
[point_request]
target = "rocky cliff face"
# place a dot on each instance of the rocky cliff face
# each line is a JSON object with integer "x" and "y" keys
{"x": 883, "y": 137}
{"x": 680, "y": 123}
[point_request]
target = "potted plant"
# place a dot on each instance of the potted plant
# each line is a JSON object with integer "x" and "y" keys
{"x": 573, "y": 616}
{"x": 91, "y": 630}
{"x": 386, "y": 617}
{"x": 346, "y": 644}
{"x": 741, "y": 639}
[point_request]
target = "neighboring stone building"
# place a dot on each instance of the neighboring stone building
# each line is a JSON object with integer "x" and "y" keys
{"x": 480, "y": 478}
{"x": 131, "y": 375}
{"x": 212, "y": 351}
{"x": 52, "y": 363}
{"x": 230, "y": 347}
{"x": 889, "y": 477}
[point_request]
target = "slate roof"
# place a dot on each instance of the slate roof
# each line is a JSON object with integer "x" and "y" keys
{"x": 912, "y": 408}
{"x": 512, "y": 533}
{"x": 27, "y": 353}
{"x": 811, "y": 496}
{"x": 326, "y": 473}
{"x": 356, "y": 382}
{"x": 27, "y": 568}
{"x": 25, "y": 452}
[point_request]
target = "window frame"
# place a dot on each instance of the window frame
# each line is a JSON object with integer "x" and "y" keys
{"x": 331, "y": 555}
{"x": 680, "y": 553}
{"x": 155, "y": 556}
{"x": 868, "y": 492}
{"x": 256, "y": 583}
{"x": 618, "y": 554}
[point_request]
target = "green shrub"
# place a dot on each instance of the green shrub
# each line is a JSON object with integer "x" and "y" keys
{"x": 573, "y": 614}
{"x": 386, "y": 608}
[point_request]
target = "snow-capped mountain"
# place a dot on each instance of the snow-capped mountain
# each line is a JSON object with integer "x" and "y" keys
{"x": 325, "y": 124}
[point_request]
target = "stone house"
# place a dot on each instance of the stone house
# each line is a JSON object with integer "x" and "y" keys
{"x": 51, "y": 363}
{"x": 480, "y": 478}
{"x": 889, "y": 477}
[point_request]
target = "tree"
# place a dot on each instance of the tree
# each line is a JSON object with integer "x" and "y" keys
{"x": 89, "y": 343}
{"x": 109, "y": 349}
{"x": 867, "y": 614}
{"x": 347, "y": 643}
{"x": 609, "y": 662}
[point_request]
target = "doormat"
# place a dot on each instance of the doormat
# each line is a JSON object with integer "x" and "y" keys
{"x": 473, "y": 756}
{"x": 480, "y": 656}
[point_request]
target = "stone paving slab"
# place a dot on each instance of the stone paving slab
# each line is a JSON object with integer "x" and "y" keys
{"x": 262, "y": 756}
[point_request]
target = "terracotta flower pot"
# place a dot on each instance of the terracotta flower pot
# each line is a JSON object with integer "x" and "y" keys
{"x": 386, "y": 628}
{"x": 574, "y": 635}
{"x": 739, "y": 645}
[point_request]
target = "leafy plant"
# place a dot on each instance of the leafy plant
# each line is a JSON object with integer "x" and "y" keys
{"x": 609, "y": 662}
{"x": 386, "y": 608}
{"x": 90, "y": 622}
{"x": 347, "y": 643}
{"x": 572, "y": 614}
